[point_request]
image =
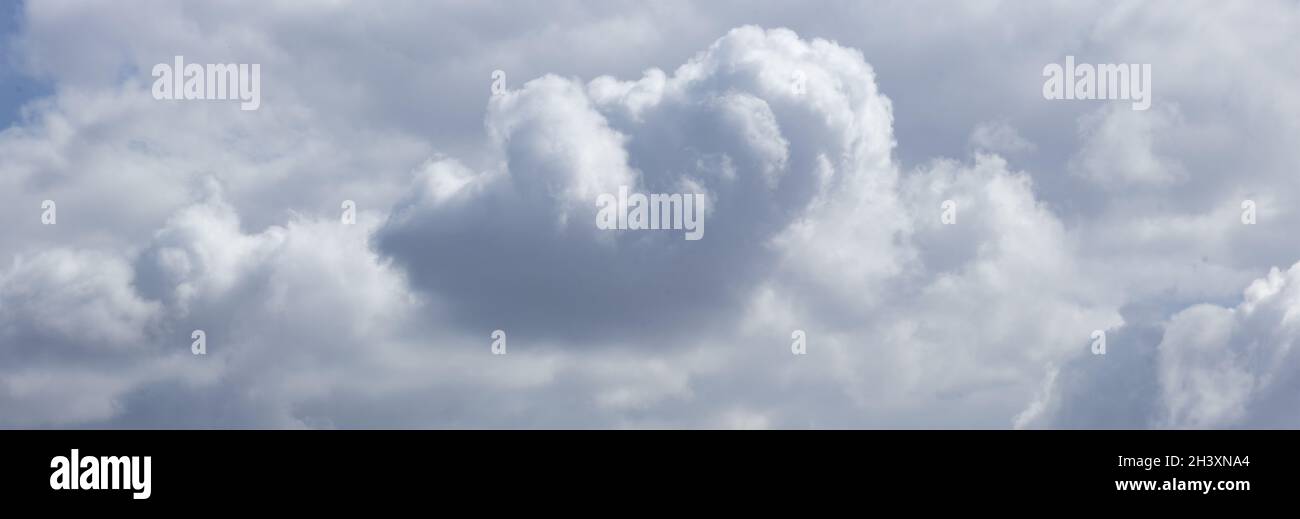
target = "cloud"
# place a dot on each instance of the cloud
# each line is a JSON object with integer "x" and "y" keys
{"x": 1206, "y": 366}
{"x": 1119, "y": 149}
{"x": 999, "y": 137}
{"x": 809, "y": 217}
{"x": 1233, "y": 366}
{"x": 303, "y": 293}
{"x": 728, "y": 124}
{"x": 94, "y": 301}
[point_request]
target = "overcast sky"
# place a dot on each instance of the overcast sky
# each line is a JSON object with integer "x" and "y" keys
{"x": 825, "y": 136}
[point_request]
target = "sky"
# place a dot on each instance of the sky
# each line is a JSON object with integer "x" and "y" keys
{"x": 19, "y": 88}
{"x": 900, "y": 230}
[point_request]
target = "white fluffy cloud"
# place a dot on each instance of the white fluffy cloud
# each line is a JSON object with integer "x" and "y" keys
{"x": 1231, "y": 366}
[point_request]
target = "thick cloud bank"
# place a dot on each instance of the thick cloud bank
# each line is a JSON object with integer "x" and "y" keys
{"x": 939, "y": 292}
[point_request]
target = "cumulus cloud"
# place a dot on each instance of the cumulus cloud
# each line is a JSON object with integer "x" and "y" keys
{"x": 129, "y": 326}
{"x": 1233, "y": 366}
{"x": 728, "y": 125}
{"x": 1206, "y": 366}
{"x": 787, "y": 224}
